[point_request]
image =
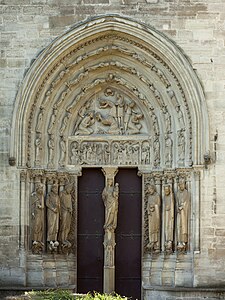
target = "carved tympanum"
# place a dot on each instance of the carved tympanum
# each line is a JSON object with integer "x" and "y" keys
{"x": 112, "y": 113}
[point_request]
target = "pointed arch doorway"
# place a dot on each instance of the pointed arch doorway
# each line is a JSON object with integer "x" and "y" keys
{"x": 90, "y": 253}
{"x": 112, "y": 93}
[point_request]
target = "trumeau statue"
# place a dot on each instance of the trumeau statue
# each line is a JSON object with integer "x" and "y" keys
{"x": 168, "y": 218}
{"x": 183, "y": 205}
{"x": 65, "y": 214}
{"x": 153, "y": 210}
{"x": 37, "y": 199}
{"x": 53, "y": 212}
{"x": 110, "y": 197}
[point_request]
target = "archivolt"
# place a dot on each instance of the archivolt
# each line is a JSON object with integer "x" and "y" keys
{"x": 115, "y": 52}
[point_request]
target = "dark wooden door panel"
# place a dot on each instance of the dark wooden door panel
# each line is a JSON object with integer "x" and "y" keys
{"x": 128, "y": 234}
{"x": 90, "y": 231}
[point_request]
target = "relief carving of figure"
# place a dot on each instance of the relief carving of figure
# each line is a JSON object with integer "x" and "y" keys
{"x": 168, "y": 218}
{"x": 180, "y": 117}
{"x": 64, "y": 124}
{"x": 168, "y": 152}
{"x": 63, "y": 151}
{"x": 145, "y": 154}
{"x": 129, "y": 110}
{"x": 183, "y": 200}
{"x": 99, "y": 154}
{"x": 110, "y": 197}
{"x": 155, "y": 124}
{"x": 38, "y": 149}
{"x": 109, "y": 121}
{"x": 109, "y": 244}
{"x": 167, "y": 119}
{"x": 181, "y": 148}
{"x": 40, "y": 120}
{"x": 86, "y": 123}
{"x": 120, "y": 112}
{"x": 106, "y": 154}
{"x": 81, "y": 114}
{"x": 51, "y": 148}
{"x": 75, "y": 157}
{"x": 37, "y": 208}
{"x": 52, "y": 121}
{"x": 134, "y": 125}
{"x": 153, "y": 210}
{"x": 53, "y": 212}
{"x": 65, "y": 214}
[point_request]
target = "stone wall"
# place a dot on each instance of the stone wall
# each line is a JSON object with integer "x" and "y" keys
{"x": 197, "y": 27}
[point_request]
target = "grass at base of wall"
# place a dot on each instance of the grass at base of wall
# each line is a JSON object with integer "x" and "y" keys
{"x": 68, "y": 295}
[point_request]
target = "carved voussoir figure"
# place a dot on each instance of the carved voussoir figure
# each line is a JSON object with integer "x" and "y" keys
{"x": 65, "y": 214}
{"x": 168, "y": 151}
{"x": 153, "y": 210}
{"x": 37, "y": 199}
{"x": 53, "y": 212}
{"x": 183, "y": 204}
{"x": 110, "y": 196}
{"x": 168, "y": 218}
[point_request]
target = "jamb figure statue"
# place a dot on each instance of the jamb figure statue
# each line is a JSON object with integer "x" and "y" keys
{"x": 168, "y": 218}
{"x": 53, "y": 211}
{"x": 37, "y": 216}
{"x": 183, "y": 204}
{"x": 65, "y": 215}
{"x": 153, "y": 210}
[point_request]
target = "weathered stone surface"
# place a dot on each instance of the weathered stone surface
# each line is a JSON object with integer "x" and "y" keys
{"x": 197, "y": 27}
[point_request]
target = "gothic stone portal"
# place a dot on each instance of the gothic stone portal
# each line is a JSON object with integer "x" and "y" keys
{"x": 110, "y": 98}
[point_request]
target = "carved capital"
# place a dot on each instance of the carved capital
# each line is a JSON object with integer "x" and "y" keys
{"x": 110, "y": 172}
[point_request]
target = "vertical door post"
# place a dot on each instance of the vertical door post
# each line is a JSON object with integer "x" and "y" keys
{"x": 110, "y": 199}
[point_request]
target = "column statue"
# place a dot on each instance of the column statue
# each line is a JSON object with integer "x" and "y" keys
{"x": 65, "y": 214}
{"x": 53, "y": 211}
{"x": 37, "y": 199}
{"x": 153, "y": 210}
{"x": 183, "y": 204}
{"x": 168, "y": 218}
{"x": 110, "y": 197}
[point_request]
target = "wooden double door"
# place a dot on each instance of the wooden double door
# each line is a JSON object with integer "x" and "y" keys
{"x": 90, "y": 251}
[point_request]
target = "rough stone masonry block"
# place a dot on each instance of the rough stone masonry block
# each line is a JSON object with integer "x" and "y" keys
{"x": 61, "y": 21}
